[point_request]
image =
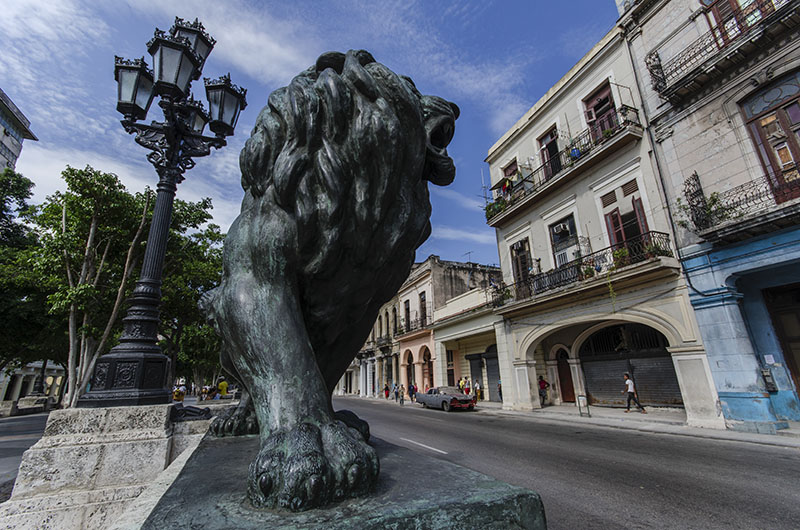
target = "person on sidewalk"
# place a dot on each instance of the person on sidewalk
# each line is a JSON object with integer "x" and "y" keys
{"x": 477, "y": 387}
{"x": 386, "y": 391}
{"x": 396, "y": 391}
{"x": 632, "y": 394}
{"x": 402, "y": 394}
{"x": 543, "y": 386}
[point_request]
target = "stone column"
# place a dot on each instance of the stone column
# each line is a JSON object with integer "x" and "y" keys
{"x": 578, "y": 381}
{"x": 553, "y": 379}
{"x": 440, "y": 364}
{"x": 362, "y": 378}
{"x": 16, "y": 388}
{"x": 381, "y": 375}
{"x": 700, "y": 399}
{"x": 403, "y": 375}
{"x": 527, "y": 389}
{"x": 31, "y": 382}
{"x": 506, "y": 353}
{"x": 52, "y": 390}
{"x": 418, "y": 375}
{"x": 735, "y": 367}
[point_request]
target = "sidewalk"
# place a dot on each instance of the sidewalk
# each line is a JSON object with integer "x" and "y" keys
{"x": 657, "y": 420}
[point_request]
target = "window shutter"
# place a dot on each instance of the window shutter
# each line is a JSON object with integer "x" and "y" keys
{"x": 614, "y": 225}
{"x": 609, "y": 198}
{"x": 638, "y": 207}
{"x": 629, "y": 188}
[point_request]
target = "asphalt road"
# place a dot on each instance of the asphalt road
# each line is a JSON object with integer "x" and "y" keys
{"x": 600, "y": 477}
{"x": 16, "y": 435}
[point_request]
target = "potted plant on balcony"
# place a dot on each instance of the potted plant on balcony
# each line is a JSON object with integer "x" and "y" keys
{"x": 494, "y": 208}
{"x": 654, "y": 250}
{"x": 621, "y": 257}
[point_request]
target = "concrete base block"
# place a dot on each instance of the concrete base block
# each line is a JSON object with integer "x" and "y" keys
{"x": 8, "y": 408}
{"x": 441, "y": 496}
{"x": 92, "y": 462}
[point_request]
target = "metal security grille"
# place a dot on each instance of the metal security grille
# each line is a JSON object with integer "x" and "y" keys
{"x": 638, "y": 350}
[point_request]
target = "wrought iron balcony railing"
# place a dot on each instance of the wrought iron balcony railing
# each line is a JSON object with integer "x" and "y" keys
{"x": 751, "y": 198}
{"x": 580, "y": 147}
{"x": 607, "y": 261}
{"x": 735, "y": 28}
{"x": 383, "y": 341}
{"x": 413, "y": 325}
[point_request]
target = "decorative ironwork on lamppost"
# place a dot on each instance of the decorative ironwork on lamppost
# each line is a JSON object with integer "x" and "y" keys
{"x": 135, "y": 371}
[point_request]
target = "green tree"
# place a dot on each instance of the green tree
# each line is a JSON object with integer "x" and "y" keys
{"x": 15, "y": 190}
{"x": 192, "y": 267}
{"x": 91, "y": 239}
{"x": 28, "y": 333}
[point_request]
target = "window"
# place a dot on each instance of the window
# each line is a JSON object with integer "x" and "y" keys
{"x": 451, "y": 376}
{"x": 423, "y": 309}
{"x": 731, "y": 17}
{"x": 386, "y": 320}
{"x": 394, "y": 321}
{"x": 407, "y": 307}
{"x": 549, "y": 148}
{"x": 564, "y": 239}
{"x": 521, "y": 260}
{"x": 626, "y": 219}
{"x": 380, "y": 326}
{"x": 601, "y": 115}
{"x": 773, "y": 120}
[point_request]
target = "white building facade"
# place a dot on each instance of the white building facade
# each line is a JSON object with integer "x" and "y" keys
{"x": 592, "y": 287}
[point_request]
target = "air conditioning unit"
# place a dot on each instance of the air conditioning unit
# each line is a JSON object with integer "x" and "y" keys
{"x": 590, "y": 115}
{"x": 560, "y": 227}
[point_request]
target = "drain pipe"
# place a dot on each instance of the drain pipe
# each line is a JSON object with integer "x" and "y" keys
{"x": 661, "y": 174}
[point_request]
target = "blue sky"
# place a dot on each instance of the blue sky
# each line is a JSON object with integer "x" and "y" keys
{"x": 493, "y": 58}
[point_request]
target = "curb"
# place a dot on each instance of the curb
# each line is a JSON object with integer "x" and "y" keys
{"x": 772, "y": 440}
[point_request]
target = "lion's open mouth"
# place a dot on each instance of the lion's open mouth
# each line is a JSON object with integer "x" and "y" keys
{"x": 440, "y": 168}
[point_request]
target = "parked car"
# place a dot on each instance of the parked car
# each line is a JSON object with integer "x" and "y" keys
{"x": 446, "y": 398}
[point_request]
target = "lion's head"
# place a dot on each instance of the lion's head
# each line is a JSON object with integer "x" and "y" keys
{"x": 347, "y": 149}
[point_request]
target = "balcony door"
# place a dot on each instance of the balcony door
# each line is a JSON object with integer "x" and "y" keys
{"x": 549, "y": 148}
{"x": 601, "y": 115}
{"x": 774, "y": 125}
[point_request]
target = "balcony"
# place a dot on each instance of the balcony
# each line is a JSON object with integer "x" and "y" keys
{"x": 383, "y": 341}
{"x": 754, "y": 208}
{"x": 593, "y": 270}
{"x": 413, "y": 325}
{"x": 605, "y": 136}
{"x": 746, "y": 32}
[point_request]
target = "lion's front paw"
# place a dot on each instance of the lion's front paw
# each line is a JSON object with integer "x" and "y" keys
{"x": 309, "y": 466}
{"x": 235, "y": 422}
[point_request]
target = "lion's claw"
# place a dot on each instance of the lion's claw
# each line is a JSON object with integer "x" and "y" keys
{"x": 295, "y": 469}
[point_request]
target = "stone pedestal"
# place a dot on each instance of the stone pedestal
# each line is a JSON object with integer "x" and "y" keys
{"x": 447, "y": 497}
{"x": 90, "y": 463}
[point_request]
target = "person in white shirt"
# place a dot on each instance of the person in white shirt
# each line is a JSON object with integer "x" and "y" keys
{"x": 632, "y": 394}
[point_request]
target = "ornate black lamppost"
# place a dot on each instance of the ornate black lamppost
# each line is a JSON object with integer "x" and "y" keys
{"x": 135, "y": 371}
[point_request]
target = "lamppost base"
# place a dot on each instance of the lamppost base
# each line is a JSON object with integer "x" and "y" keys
{"x": 126, "y": 378}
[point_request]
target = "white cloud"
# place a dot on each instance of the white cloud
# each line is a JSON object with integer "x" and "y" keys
{"x": 455, "y": 197}
{"x": 266, "y": 48}
{"x": 44, "y": 165}
{"x": 457, "y": 234}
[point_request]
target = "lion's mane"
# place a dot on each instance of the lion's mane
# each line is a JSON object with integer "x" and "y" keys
{"x": 345, "y": 152}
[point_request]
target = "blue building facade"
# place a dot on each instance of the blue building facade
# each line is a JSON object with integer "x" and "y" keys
{"x": 721, "y": 86}
{"x": 749, "y": 348}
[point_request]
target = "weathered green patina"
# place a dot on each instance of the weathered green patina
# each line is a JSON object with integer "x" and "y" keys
{"x": 336, "y": 202}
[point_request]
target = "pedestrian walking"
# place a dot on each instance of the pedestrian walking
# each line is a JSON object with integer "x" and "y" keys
{"x": 412, "y": 392}
{"x": 386, "y": 391}
{"x": 500, "y": 389}
{"x": 543, "y": 386}
{"x": 395, "y": 392}
{"x": 402, "y": 395}
{"x": 633, "y": 395}
{"x": 461, "y": 385}
{"x": 466, "y": 387}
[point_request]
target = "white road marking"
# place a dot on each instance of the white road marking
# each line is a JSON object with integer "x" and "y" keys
{"x": 423, "y": 445}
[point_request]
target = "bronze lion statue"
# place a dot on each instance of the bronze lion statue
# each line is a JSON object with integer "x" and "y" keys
{"x": 336, "y": 202}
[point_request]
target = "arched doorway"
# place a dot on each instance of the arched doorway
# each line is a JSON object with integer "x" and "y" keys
{"x": 631, "y": 348}
{"x": 427, "y": 369}
{"x": 565, "y": 384}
